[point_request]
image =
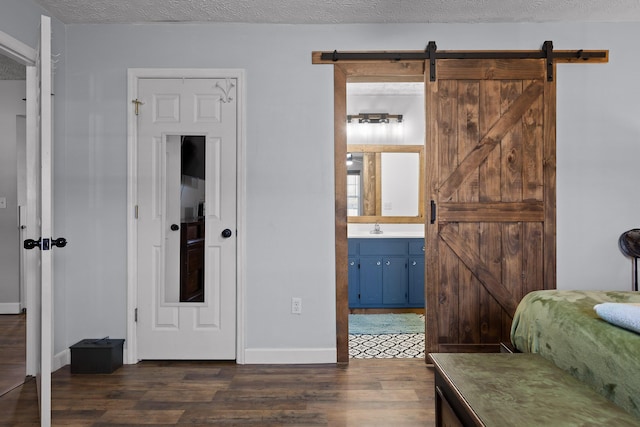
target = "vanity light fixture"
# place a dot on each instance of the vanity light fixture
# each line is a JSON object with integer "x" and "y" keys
{"x": 374, "y": 117}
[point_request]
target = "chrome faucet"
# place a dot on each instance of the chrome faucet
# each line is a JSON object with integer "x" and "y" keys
{"x": 376, "y": 229}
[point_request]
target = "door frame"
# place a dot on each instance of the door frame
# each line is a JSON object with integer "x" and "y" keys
{"x": 343, "y": 72}
{"x": 25, "y": 55}
{"x": 356, "y": 64}
{"x": 133, "y": 76}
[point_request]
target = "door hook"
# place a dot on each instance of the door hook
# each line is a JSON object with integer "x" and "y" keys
{"x": 31, "y": 244}
{"x": 60, "y": 242}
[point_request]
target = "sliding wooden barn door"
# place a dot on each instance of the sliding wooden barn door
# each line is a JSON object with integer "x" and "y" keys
{"x": 490, "y": 183}
{"x": 490, "y": 191}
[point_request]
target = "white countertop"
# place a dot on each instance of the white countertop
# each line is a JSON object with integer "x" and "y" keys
{"x": 386, "y": 234}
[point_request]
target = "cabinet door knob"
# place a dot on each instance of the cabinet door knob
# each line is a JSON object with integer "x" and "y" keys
{"x": 413, "y": 263}
{"x": 352, "y": 263}
{"x": 423, "y": 249}
{"x": 226, "y": 233}
{"x": 378, "y": 263}
{"x": 175, "y": 227}
{"x": 388, "y": 262}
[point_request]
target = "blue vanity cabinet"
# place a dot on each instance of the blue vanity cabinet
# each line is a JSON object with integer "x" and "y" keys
{"x": 394, "y": 281}
{"x": 353, "y": 273}
{"x": 416, "y": 281}
{"x": 382, "y": 274}
{"x": 370, "y": 286}
{"x": 416, "y": 273}
{"x": 354, "y": 277}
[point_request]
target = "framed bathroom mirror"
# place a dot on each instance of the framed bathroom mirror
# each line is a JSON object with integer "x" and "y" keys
{"x": 384, "y": 183}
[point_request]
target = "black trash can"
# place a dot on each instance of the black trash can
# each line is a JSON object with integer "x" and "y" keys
{"x": 96, "y": 356}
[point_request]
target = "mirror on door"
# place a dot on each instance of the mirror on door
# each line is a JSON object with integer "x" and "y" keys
{"x": 185, "y": 219}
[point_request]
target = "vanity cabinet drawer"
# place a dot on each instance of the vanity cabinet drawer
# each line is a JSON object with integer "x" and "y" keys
{"x": 353, "y": 246}
{"x": 383, "y": 246}
{"x": 417, "y": 247}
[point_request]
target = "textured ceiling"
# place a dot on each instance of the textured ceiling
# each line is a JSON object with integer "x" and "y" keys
{"x": 342, "y": 11}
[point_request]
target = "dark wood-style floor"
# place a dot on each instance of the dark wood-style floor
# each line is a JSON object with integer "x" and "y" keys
{"x": 378, "y": 392}
{"x": 13, "y": 356}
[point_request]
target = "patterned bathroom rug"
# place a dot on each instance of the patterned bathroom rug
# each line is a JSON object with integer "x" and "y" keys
{"x": 386, "y": 346}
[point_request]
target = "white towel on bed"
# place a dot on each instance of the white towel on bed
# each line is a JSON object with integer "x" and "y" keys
{"x": 625, "y": 315}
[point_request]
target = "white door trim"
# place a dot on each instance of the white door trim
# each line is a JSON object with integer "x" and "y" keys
{"x": 133, "y": 75}
{"x": 17, "y": 50}
{"x": 46, "y": 220}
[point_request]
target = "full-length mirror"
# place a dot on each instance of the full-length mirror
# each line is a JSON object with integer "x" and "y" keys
{"x": 185, "y": 222}
{"x": 385, "y": 152}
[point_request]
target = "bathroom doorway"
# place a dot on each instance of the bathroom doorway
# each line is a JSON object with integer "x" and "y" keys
{"x": 379, "y": 162}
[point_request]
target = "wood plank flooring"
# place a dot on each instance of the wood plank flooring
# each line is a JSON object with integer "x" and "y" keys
{"x": 397, "y": 392}
{"x": 13, "y": 357}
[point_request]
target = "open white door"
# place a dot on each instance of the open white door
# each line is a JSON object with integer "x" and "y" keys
{"x": 44, "y": 69}
{"x": 39, "y": 189}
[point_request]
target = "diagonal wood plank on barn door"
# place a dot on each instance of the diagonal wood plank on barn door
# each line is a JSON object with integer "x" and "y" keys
{"x": 491, "y": 139}
{"x": 488, "y": 132}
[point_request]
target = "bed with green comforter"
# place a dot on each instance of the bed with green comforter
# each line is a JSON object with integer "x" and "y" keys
{"x": 563, "y": 327}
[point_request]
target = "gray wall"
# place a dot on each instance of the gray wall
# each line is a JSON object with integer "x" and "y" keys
{"x": 289, "y": 233}
{"x": 290, "y": 248}
{"x": 21, "y": 19}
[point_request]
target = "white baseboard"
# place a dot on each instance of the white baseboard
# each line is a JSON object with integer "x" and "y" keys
{"x": 253, "y": 356}
{"x": 61, "y": 359}
{"x": 10, "y": 308}
{"x": 290, "y": 356}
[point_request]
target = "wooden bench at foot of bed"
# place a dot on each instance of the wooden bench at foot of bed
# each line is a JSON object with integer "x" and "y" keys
{"x": 502, "y": 389}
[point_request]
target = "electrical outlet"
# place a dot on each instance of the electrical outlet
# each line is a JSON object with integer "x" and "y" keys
{"x": 296, "y": 305}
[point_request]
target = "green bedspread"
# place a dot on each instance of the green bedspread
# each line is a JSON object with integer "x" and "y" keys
{"x": 563, "y": 327}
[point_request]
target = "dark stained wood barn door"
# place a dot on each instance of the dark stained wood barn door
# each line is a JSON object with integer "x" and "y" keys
{"x": 490, "y": 173}
{"x": 491, "y": 196}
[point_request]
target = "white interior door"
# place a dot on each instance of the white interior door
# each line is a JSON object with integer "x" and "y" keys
{"x": 172, "y": 112}
{"x": 32, "y": 273}
{"x": 38, "y": 221}
{"x": 46, "y": 194}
